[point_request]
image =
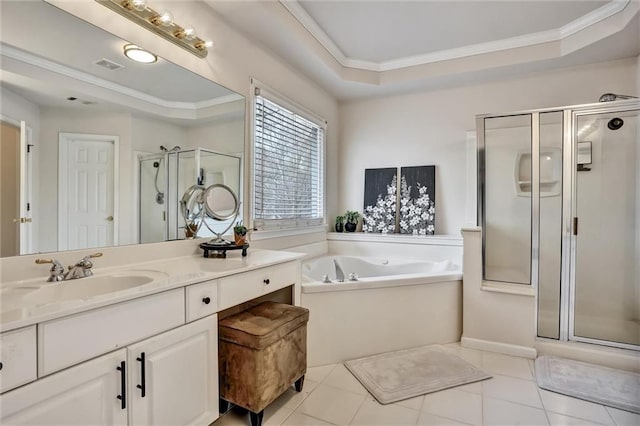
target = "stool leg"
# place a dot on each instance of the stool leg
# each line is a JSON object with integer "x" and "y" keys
{"x": 256, "y": 418}
{"x": 299, "y": 384}
{"x": 223, "y": 405}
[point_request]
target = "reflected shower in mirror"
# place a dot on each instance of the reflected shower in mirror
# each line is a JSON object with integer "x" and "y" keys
{"x": 103, "y": 144}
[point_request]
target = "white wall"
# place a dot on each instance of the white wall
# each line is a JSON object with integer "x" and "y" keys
{"x": 429, "y": 128}
{"x": 222, "y": 136}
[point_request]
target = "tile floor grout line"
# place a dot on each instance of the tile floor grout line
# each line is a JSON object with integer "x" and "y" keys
{"x": 347, "y": 390}
{"x": 546, "y": 413}
{"x": 357, "y": 411}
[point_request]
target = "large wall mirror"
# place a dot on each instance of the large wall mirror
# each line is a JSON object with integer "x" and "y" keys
{"x": 96, "y": 149}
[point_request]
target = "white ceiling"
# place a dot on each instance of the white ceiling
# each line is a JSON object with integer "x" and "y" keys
{"x": 370, "y": 48}
{"x": 389, "y": 30}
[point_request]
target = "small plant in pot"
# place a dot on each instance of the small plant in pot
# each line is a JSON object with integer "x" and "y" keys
{"x": 190, "y": 230}
{"x": 352, "y": 221}
{"x": 339, "y": 223}
{"x": 240, "y": 234}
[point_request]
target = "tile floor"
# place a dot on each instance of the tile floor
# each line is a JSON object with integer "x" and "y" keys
{"x": 332, "y": 396}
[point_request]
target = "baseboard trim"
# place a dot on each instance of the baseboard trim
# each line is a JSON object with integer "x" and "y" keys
{"x": 502, "y": 348}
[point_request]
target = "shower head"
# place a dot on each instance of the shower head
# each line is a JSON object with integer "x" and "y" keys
{"x": 608, "y": 97}
{"x": 615, "y": 123}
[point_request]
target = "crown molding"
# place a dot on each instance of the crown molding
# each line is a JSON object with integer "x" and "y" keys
{"x": 557, "y": 34}
{"x": 191, "y": 107}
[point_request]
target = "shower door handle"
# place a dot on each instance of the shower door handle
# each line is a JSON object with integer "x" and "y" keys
{"x": 575, "y": 226}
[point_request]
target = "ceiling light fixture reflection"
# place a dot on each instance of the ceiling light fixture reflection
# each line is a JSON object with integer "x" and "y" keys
{"x": 138, "y": 54}
{"x": 162, "y": 24}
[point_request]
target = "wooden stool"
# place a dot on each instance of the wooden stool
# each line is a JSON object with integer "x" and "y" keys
{"x": 262, "y": 352}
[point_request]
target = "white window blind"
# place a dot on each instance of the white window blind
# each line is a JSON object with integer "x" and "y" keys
{"x": 288, "y": 168}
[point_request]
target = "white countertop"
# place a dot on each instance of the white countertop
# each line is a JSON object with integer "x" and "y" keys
{"x": 175, "y": 272}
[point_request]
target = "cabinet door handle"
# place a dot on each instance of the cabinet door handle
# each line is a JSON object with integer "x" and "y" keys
{"x": 266, "y": 281}
{"x": 123, "y": 385}
{"x": 143, "y": 385}
{"x": 206, "y": 300}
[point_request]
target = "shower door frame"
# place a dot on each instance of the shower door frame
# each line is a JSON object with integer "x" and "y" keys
{"x": 569, "y": 206}
{"x": 570, "y": 210}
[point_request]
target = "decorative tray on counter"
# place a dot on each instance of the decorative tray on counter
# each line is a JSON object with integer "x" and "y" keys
{"x": 218, "y": 250}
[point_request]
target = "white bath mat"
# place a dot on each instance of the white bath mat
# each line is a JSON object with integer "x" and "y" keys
{"x": 399, "y": 375}
{"x": 607, "y": 386}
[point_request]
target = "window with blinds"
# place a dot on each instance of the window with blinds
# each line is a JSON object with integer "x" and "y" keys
{"x": 288, "y": 168}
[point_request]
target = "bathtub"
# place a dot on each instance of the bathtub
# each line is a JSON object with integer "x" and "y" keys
{"x": 394, "y": 304}
{"x": 374, "y": 273}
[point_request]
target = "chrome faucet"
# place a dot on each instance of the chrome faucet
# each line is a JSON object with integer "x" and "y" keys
{"x": 339, "y": 272}
{"x": 56, "y": 273}
{"x": 82, "y": 268}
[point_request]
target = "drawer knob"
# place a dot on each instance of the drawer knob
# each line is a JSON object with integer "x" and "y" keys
{"x": 266, "y": 281}
{"x": 206, "y": 300}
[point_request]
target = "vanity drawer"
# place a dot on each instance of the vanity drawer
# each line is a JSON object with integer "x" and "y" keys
{"x": 202, "y": 300}
{"x": 76, "y": 338}
{"x": 249, "y": 285}
{"x": 17, "y": 357}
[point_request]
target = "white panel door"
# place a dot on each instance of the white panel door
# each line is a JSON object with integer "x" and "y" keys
{"x": 173, "y": 377}
{"x": 86, "y": 394}
{"x": 87, "y": 191}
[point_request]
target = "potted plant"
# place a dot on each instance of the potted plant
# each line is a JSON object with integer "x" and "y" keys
{"x": 240, "y": 234}
{"x": 339, "y": 223}
{"x": 190, "y": 230}
{"x": 352, "y": 221}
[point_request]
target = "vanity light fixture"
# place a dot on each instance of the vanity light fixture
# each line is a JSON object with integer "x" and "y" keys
{"x": 138, "y": 54}
{"x": 160, "y": 23}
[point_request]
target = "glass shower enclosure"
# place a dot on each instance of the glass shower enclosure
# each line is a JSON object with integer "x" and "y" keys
{"x": 559, "y": 206}
{"x": 165, "y": 177}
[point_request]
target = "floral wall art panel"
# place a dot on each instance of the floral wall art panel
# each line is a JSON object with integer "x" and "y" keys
{"x": 417, "y": 200}
{"x": 380, "y": 200}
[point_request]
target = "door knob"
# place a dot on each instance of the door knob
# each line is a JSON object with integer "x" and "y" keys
{"x": 110, "y": 218}
{"x": 22, "y": 220}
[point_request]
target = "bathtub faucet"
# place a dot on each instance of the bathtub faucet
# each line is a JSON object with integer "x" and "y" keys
{"x": 339, "y": 272}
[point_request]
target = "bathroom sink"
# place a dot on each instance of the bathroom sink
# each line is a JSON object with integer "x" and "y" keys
{"x": 78, "y": 289}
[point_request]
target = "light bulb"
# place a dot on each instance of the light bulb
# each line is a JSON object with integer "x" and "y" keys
{"x": 139, "y": 5}
{"x": 189, "y": 33}
{"x": 165, "y": 18}
{"x": 208, "y": 44}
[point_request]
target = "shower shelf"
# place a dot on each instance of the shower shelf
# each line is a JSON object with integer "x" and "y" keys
{"x": 550, "y": 171}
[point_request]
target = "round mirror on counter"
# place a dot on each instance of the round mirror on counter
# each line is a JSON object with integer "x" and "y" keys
{"x": 191, "y": 209}
{"x": 199, "y": 205}
{"x": 220, "y": 202}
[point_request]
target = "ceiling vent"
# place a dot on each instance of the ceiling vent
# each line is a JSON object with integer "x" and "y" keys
{"x": 110, "y": 65}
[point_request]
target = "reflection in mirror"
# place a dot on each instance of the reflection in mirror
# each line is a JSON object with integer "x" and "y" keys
{"x": 104, "y": 146}
{"x": 220, "y": 202}
{"x": 167, "y": 178}
{"x": 216, "y": 207}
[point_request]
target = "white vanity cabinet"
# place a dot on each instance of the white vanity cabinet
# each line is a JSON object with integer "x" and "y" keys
{"x": 86, "y": 394}
{"x": 173, "y": 377}
{"x": 179, "y": 380}
{"x": 17, "y": 357}
{"x": 145, "y": 360}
